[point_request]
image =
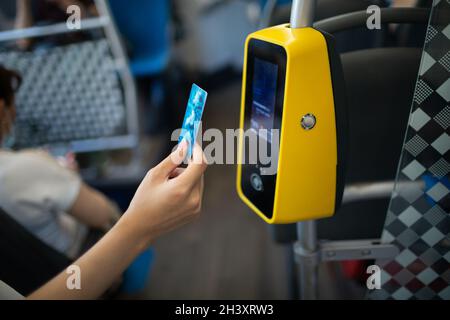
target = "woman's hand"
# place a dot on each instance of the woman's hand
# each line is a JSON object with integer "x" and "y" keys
{"x": 168, "y": 197}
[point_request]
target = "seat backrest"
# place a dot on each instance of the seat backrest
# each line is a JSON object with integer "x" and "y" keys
{"x": 26, "y": 262}
{"x": 77, "y": 93}
{"x": 380, "y": 86}
{"x": 147, "y": 32}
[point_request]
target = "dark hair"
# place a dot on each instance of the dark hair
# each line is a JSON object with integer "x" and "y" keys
{"x": 9, "y": 83}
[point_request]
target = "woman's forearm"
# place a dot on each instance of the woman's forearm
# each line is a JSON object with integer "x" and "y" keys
{"x": 99, "y": 267}
{"x": 163, "y": 202}
{"x": 93, "y": 209}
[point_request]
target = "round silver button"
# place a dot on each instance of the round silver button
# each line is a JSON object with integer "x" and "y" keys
{"x": 256, "y": 182}
{"x": 308, "y": 121}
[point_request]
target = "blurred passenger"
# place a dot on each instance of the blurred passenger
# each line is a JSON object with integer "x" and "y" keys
{"x": 167, "y": 198}
{"x": 41, "y": 194}
{"x": 44, "y": 12}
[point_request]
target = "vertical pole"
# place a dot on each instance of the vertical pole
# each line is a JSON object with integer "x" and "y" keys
{"x": 302, "y": 13}
{"x": 306, "y": 252}
{"x": 306, "y": 249}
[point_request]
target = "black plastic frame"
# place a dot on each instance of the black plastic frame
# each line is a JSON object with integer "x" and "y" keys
{"x": 263, "y": 200}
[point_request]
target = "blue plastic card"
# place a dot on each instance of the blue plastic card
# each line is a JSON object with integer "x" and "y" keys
{"x": 193, "y": 117}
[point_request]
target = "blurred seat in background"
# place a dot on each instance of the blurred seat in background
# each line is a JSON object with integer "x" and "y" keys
{"x": 145, "y": 29}
{"x": 410, "y": 35}
{"x": 144, "y": 26}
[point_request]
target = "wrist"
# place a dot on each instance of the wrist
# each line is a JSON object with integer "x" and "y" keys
{"x": 132, "y": 231}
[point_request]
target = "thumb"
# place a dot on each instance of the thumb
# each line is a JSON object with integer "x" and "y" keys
{"x": 195, "y": 169}
{"x": 172, "y": 162}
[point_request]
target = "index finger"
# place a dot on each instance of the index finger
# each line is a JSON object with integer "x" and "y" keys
{"x": 195, "y": 169}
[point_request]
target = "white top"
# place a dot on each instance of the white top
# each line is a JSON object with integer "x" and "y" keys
{"x": 8, "y": 293}
{"x": 37, "y": 192}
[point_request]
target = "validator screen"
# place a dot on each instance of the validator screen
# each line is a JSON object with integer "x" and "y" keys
{"x": 264, "y": 91}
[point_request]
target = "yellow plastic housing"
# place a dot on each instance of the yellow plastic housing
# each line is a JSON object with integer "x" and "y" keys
{"x": 306, "y": 179}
